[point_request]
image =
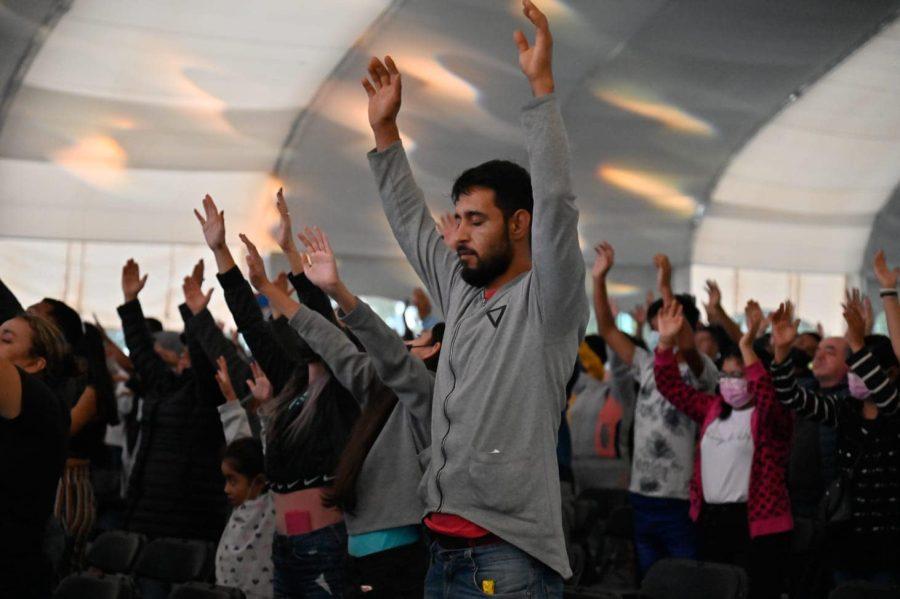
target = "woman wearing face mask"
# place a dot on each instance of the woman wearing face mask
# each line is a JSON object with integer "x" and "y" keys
{"x": 738, "y": 493}
{"x": 868, "y": 442}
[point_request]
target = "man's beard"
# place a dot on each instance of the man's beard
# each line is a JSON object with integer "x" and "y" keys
{"x": 494, "y": 264}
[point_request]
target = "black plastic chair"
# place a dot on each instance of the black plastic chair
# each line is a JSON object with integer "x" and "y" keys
{"x": 204, "y": 590}
{"x": 115, "y": 552}
{"x": 173, "y": 560}
{"x": 679, "y": 578}
{"x": 80, "y": 586}
{"x": 864, "y": 590}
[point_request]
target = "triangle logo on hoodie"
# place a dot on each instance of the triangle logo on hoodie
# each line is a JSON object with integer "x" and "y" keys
{"x": 495, "y": 314}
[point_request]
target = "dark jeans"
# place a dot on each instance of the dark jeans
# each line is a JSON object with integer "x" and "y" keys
{"x": 501, "y": 568}
{"x": 397, "y": 573}
{"x": 725, "y": 538}
{"x": 662, "y": 528}
{"x": 310, "y": 565}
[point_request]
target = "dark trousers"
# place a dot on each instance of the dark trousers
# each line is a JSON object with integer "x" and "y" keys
{"x": 311, "y": 565}
{"x": 725, "y": 538}
{"x": 662, "y": 528}
{"x": 397, "y": 573}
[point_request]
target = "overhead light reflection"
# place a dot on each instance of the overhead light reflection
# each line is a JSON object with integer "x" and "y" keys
{"x": 97, "y": 159}
{"x": 650, "y": 186}
{"x": 621, "y": 289}
{"x": 666, "y": 114}
{"x": 444, "y": 82}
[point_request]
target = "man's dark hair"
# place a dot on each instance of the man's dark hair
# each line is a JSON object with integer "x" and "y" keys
{"x": 154, "y": 325}
{"x": 688, "y": 306}
{"x": 812, "y": 334}
{"x": 68, "y": 321}
{"x": 510, "y": 183}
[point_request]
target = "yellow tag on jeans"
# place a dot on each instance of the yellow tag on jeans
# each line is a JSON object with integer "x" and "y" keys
{"x": 487, "y": 587}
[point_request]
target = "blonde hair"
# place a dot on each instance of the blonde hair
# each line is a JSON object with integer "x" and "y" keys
{"x": 47, "y": 342}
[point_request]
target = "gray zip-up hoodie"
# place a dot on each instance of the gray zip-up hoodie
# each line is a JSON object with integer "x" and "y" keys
{"x": 387, "y": 485}
{"x": 500, "y": 385}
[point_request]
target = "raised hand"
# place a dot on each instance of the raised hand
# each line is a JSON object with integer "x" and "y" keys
{"x": 284, "y": 235}
{"x": 321, "y": 265}
{"x": 447, "y": 226}
{"x": 256, "y": 268}
{"x": 132, "y": 282}
{"x": 753, "y": 316}
{"x": 604, "y": 260}
{"x": 213, "y": 224}
{"x": 384, "y": 88}
{"x": 856, "y": 322}
{"x": 784, "y": 330}
{"x": 639, "y": 314}
{"x": 536, "y": 61}
{"x": 714, "y": 305}
{"x": 669, "y": 323}
{"x": 887, "y": 276}
{"x": 260, "y": 386}
{"x": 663, "y": 276}
{"x": 224, "y": 381}
{"x": 196, "y": 300}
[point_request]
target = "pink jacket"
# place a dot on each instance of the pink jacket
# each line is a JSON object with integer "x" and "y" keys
{"x": 768, "y": 505}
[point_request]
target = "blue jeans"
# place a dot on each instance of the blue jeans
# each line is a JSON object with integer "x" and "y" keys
{"x": 662, "y": 528}
{"x": 310, "y": 565}
{"x": 470, "y": 572}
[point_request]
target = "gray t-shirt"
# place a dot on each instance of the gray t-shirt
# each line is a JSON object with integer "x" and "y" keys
{"x": 664, "y": 437}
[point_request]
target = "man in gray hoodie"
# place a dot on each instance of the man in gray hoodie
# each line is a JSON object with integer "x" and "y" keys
{"x": 513, "y": 297}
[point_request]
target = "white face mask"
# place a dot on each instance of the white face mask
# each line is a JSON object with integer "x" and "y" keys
{"x": 653, "y": 339}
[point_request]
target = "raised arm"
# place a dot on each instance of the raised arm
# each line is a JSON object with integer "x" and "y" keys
{"x": 9, "y": 303}
{"x": 557, "y": 262}
{"x": 815, "y": 406}
{"x": 695, "y": 404}
{"x": 402, "y": 199}
{"x": 716, "y": 314}
{"x": 882, "y": 392}
{"x": 202, "y": 368}
{"x": 617, "y": 341}
{"x": 202, "y": 328}
{"x": 149, "y": 366}
{"x": 235, "y": 424}
{"x": 352, "y": 368}
{"x": 887, "y": 279}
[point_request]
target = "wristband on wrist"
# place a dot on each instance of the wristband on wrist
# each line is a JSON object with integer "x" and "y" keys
{"x": 887, "y": 292}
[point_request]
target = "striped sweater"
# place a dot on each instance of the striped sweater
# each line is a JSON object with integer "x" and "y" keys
{"x": 877, "y": 489}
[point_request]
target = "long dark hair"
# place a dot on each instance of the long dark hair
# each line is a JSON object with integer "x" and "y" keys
{"x": 363, "y": 436}
{"x": 98, "y": 376}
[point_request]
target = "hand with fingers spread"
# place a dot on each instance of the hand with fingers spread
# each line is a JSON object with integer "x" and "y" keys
{"x": 384, "y": 88}
{"x": 224, "y": 380}
{"x": 321, "y": 265}
{"x": 260, "y": 386}
{"x": 663, "y": 276}
{"x": 639, "y": 314}
{"x": 213, "y": 223}
{"x": 670, "y": 324}
{"x": 132, "y": 282}
{"x": 753, "y": 315}
{"x": 604, "y": 260}
{"x": 536, "y": 61}
{"x": 256, "y": 268}
{"x": 714, "y": 303}
{"x": 784, "y": 330}
{"x": 887, "y": 276}
{"x": 196, "y": 300}
{"x": 856, "y": 322}
{"x": 447, "y": 226}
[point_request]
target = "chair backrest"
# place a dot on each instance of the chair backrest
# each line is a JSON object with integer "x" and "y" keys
{"x": 677, "y": 578}
{"x": 864, "y": 590}
{"x": 620, "y": 522}
{"x": 802, "y": 536}
{"x": 115, "y": 551}
{"x": 79, "y": 586}
{"x": 172, "y": 560}
{"x": 203, "y": 590}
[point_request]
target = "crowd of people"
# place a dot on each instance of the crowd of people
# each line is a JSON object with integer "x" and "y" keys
{"x": 336, "y": 459}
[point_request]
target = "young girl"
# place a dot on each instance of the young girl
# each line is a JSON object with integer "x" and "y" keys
{"x": 738, "y": 493}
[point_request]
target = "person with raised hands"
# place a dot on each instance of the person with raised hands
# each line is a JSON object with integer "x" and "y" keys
{"x": 867, "y": 422}
{"x": 513, "y": 295}
{"x": 662, "y": 464}
{"x": 379, "y": 472}
{"x": 739, "y": 496}
{"x": 887, "y": 280}
{"x": 180, "y": 434}
{"x": 306, "y": 426}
